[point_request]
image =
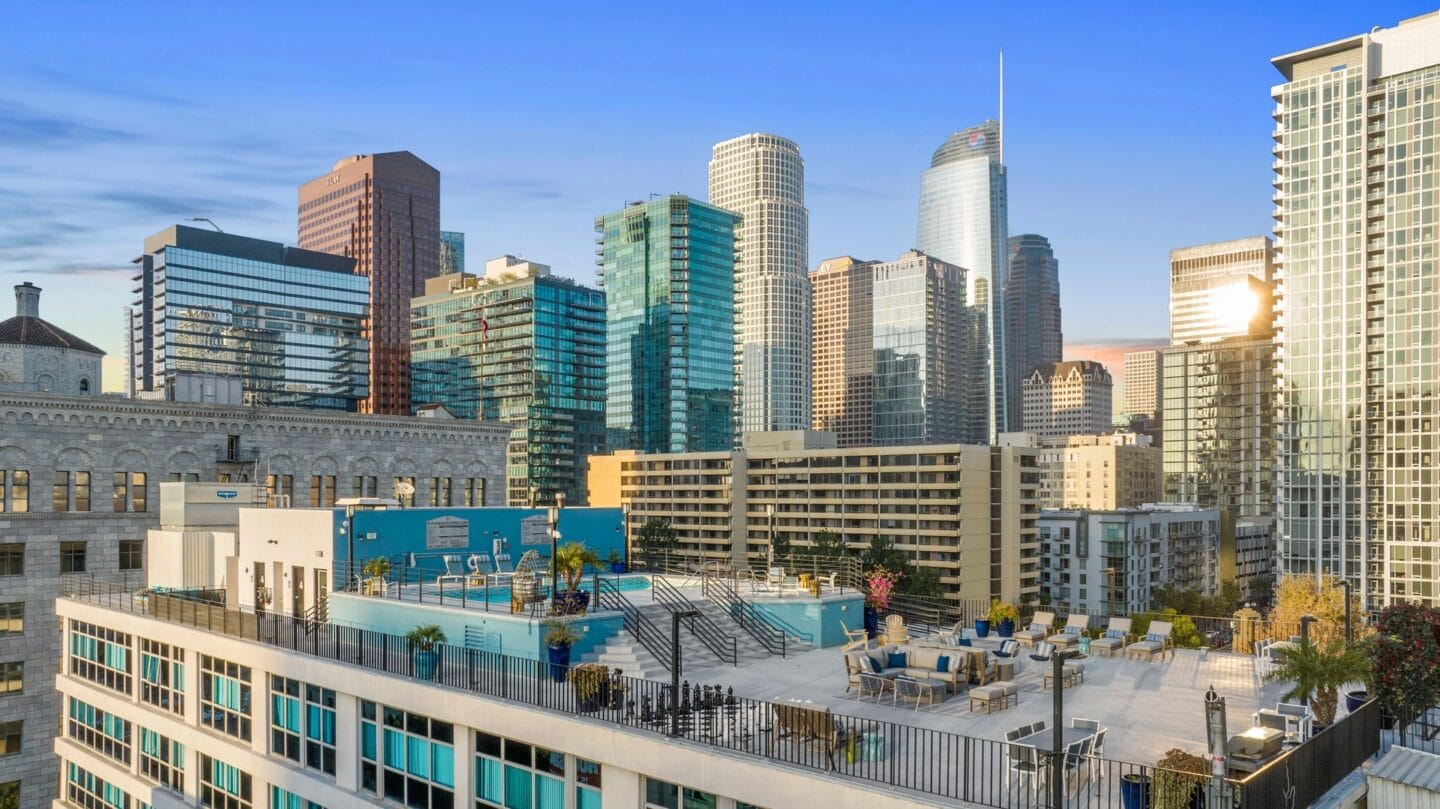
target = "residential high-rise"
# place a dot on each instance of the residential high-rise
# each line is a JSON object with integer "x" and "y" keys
{"x": 667, "y": 267}
{"x": 1117, "y": 470}
{"x": 923, "y": 345}
{"x": 216, "y": 311}
{"x": 383, "y": 210}
{"x": 523, "y": 347}
{"x": 762, "y": 178}
{"x": 1143, "y": 388}
{"x": 1067, "y": 398}
{"x": 843, "y": 350}
{"x": 1032, "y": 313}
{"x": 452, "y": 252}
{"x": 963, "y": 221}
{"x": 1357, "y": 383}
{"x": 1218, "y": 378}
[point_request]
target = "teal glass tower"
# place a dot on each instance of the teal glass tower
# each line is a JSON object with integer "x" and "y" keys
{"x": 523, "y": 347}
{"x": 668, "y": 270}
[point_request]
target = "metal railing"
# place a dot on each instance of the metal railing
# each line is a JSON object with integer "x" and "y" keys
{"x": 700, "y": 625}
{"x": 891, "y": 754}
{"x": 719, "y": 591}
{"x": 655, "y": 641}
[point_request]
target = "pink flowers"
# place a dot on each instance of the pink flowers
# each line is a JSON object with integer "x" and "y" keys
{"x": 879, "y": 586}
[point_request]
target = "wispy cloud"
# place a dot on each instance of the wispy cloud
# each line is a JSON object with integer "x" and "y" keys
{"x": 159, "y": 206}
{"x": 98, "y": 84}
{"x": 515, "y": 186}
{"x": 99, "y": 269}
{"x": 33, "y": 129}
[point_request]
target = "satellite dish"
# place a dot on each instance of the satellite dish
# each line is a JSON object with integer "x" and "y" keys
{"x": 404, "y": 488}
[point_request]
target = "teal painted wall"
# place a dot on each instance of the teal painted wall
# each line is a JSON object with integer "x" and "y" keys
{"x": 496, "y": 632}
{"x": 824, "y": 621}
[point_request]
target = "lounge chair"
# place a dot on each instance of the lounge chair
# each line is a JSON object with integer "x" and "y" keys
{"x": 895, "y": 632}
{"x": 1156, "y": 642}
{"x": 855, "y": 638}
{"x": 1117, "y": 635}
{"x": 479, "y": 565}
{"x": 454, "y": 571}
{"x": 1040, "y": 627}
{"x": 1075, "y": 628}
{"x": 814, "y": 727}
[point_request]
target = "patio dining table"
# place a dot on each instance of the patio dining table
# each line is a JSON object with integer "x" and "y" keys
{"x": 1044, "y": 740}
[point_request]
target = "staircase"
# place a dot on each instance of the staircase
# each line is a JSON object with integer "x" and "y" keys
{"x": 625, "y": 653}
{"x": 749, "y": 651}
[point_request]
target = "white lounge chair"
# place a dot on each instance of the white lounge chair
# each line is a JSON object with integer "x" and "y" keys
{"x": 1040, "y": 626}
{"x": 1116, "y": 637}
{"x": 1157, "y": 642}
{"x": 454, "y": 571}
{"x": 1075, "y": 627}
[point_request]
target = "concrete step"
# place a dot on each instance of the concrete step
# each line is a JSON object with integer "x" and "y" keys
{"x": 625, "y": 653}
{"x": 748, "y": 645}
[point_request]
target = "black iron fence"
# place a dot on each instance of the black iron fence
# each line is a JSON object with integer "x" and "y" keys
{"x": 1304, "y": 773}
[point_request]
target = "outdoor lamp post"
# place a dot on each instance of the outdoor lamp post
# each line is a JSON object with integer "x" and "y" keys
{"x": 554, "y": 517}
{"x": 1057, "y": 740}
{"x": 1349, "y": 630}
{"x": 1305, "y": 621}
{"x": 675, "y": 667}
{"x": 1218, "y": 738}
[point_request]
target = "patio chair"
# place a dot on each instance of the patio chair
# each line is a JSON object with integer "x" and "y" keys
{"x": 1036, "y": 727}
{"x": 503, "y": 567}
{"x": 1116, "y": 636}
{"x": 454, "y": 570}
{"x": 1017, "y": 733}
{"x": 828, "y": 582}
{"x": 775, "y": 576}
{"x": 1299, "y": 719}
{"x": 1077, "y": 760}
{"x": 1097, "y": 754}
{"x": 1075, "y": 627}
{"x": 1042, "y": 651}
{"x": 982, "y": 669}
{"x": 895, "y": 632}
{"x": 855, "y": 639}
{"x": 911, "y": 689}
{"x": 1022, "y": 762}
{"x": 1088, "y": 724}
{"x": 1040, "y": 626}
{"x": 1156, "y": 642}
{"x": 855, "y": 665}
{"x": 1008, "y": 648}
{"x": 1272, "y": 719}
{"x": 479, "y": 566}
{"x": 873, "y": 685}
{"x": 815, "y": 727}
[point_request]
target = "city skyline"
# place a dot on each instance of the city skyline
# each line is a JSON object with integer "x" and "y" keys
{"x": 71, "y": 227}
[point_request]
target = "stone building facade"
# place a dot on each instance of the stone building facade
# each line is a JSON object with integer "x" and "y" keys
{"x": 38, "y": 356}
{"x": 79, "y": 489}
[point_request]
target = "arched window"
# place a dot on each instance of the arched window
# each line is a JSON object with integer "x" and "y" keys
{"x": 84, "y": 385}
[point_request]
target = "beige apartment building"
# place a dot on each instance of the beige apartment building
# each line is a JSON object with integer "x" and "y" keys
{"x": 1067, "y": 398}
{"x": 842, "y": 350}
{"x": 1100, "y": 472}
{"x": 967, "y": 511}
{"x": 1143, "y": 386}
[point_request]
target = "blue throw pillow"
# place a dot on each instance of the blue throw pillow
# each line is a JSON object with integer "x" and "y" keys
{"x": 1157, "y": 638}
{"x": 898, "y": 660}
{"x": 964, "y": 641}
{"x": 942, "y": 664}
{"x": 874, "y": 664}
{"x": 1038, "y": 627}
{"x": 1118, "y": 634}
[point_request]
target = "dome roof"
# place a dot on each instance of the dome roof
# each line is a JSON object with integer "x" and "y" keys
{"x": 32, "y": 331}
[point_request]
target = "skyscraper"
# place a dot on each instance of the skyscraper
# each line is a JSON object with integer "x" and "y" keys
{"x": 762, "y": 178}
{"x": 1066, "y": 398}
{"x": 524, "y": 347}
{"x": 1032, "y": 313}
{"x": 383, "y": 210}
{"x": 452, "y": 252}
{"x": 280, "y": 324}
{"x": 1358, "y": 383}
{"x": 1218, "y": 375}
{"x": 923, "y": 344}
{"x": 962, "y": 221}
{"x": 843, "y": 350}
{"x": 1142, "y": 384}
{"x": 668, "y": 270}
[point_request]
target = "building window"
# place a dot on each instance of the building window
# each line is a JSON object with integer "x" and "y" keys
{"x": 439, "y": 492}
{"x": 225, "y": 696}
{"x": 103, "y": 732}
{"x": 587, "y": 784}
{"x": 514, "y": 775}
{"x": 12, "y": 678}
{"x": 403, "y": 489}
{"x": 10, "y": 737}
{"x": 14, "y": 492}
{"x": 10, "y": 794}
{"x": 83, "y": 788}
{"x": 70, "y": 491}
{"x": 12, "y": 559}
{"x": 128, "y": 492}
{"x": 301, "y": 711}
{"x": 281, "y": 799}
{"x": 406, "y": 757}
{"x": 132, "y": 554}
{"x": 100, "y": 655}
{"x": 162, "y": 760}
{"x": 322, "y": 490}
{"x": 662, "y": 795}
{"x": 364, "y": 486}
{"x": 223, "y": 786}
{"x": 281, "y": 486}
{"x": 162, "y": 675}
{"x": 72, "y": 557}
{"x": 12, "y": 618}
{"x": 474, "y": 492}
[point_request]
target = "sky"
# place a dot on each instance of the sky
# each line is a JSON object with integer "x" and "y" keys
{"x": 1131, "y": 129}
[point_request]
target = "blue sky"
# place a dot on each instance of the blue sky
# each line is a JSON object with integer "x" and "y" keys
{"x": 1131, "y": 128}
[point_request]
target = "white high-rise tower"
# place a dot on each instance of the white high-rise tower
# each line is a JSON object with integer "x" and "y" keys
{"x": 762, "y": 178}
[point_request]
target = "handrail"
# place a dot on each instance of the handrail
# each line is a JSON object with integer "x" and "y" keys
{"x": 700, "y": 625}
{"x": 718, "y": 590}
{"x": 656, "y": 642}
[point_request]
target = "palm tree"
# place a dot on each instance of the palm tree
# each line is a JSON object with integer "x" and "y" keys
{"x": 570, "y": 560}
{"x": 1319, "y": 674}
{"x": 425, "y": 636}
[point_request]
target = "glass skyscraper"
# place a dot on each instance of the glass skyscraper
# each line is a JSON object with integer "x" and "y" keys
{"x": 962, "y": 221}
{"x": 668, "y": 270}
{"x": 1357, "y": 131}
{"x": 285, "y": 322}
{"x": 1032, "y": 314}
{"x": 922, "y": 349}
{"x": 523, "y": 347}
{"x": 452, "y": 252}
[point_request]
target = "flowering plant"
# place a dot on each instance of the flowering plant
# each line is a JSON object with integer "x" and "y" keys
{"x": 1405, "y": 659}
{"x": 879, "y": 586}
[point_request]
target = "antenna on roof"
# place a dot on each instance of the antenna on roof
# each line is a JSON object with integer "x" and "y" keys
{"x": 1002, "y": 106}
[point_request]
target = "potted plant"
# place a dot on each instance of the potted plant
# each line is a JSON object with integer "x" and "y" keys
{"x": 1178, "y": 781}
{"x": 570, "y": 561}
{"x": 1318, "y": 674}
{"x": 1003, "y": 617}
{"x": 592, "y": 686}
{"x": 617, "y": 564}
{"x": 559, "y": 637}
{"x": 374, "y": 571}
{"x": 422, "y": 641}
{"x": 879, "y": 586}
{"x": 1135, "y": 790}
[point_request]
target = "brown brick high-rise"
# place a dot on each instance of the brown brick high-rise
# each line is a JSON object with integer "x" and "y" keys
{"x": 383, "y": 210}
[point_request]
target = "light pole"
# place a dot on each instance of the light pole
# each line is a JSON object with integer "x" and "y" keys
{"x": 1349, "y": 627}
{"x": 770, "y": 515}
{"x": 1057, "y": 740}
{"x": 675, "y": 667}
{"x": 554, "y": 515}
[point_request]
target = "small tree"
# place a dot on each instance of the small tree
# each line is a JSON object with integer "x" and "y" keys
{"x": 780, "y": 545}
{"x": 1405, "y": 659}
{"x": 1296, "y": 596}
{"x": 1318, "y": 674}
{"x": 829, "y": 543}
{"x": 657, "y": 538}
{"x": 425, "y": 636}
{"x": 570, "y": 561}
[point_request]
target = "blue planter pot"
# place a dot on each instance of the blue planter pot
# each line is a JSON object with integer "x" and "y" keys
{"x": 617, "y": 567}
{"x": 1135, "y": 791}
{"x": 872, "y": 622}
{"x": 1005, "y": 628}
{"x": 559, "y": 662}
{"x": 982, "y": 627}
{"x": 425, "y": 664}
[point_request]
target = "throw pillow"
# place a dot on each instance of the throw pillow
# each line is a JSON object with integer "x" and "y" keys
{"x": 942, "y": 664}
{"x": 875, "y": 664}
{"x": 1155, "y": 637}
{"x": 898, "y": 660}
{"x": 1038, "y": 627}
{"x": 964, "y": 641}
{"x": 1118, "y": 634}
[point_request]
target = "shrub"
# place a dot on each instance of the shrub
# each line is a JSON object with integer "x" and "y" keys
{"x": 1175, "y": 779}
{"x": 560, "y": 633}
{"x": 1405, "y": 659}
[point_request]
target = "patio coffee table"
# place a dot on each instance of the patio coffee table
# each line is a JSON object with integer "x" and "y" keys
{"x": 1044, "y": 740}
